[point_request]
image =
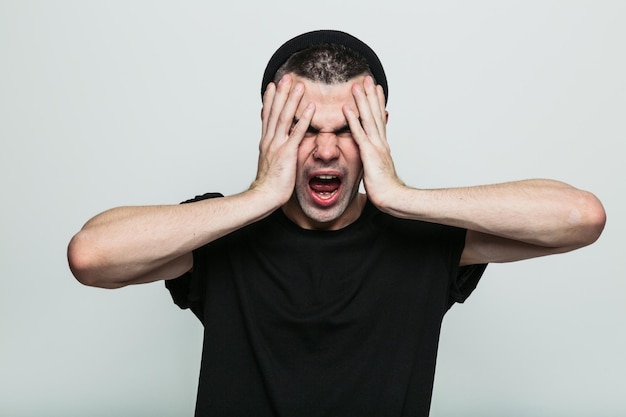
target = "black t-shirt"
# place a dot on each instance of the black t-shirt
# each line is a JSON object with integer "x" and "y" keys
{"x": 323, "y": 323}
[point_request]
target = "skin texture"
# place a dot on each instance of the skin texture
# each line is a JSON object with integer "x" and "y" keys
{"x": 505, "y": 222}
{"x": 327, "y": 148}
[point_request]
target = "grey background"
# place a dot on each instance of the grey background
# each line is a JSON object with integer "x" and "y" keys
{"x": 108, "y": 103}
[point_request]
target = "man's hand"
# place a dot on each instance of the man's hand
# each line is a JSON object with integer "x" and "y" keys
{"x": 379, "y": 174}
{"x": 280, "y": 139}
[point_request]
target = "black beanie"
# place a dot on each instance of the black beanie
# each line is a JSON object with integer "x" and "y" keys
{"x": 318, "y": 37}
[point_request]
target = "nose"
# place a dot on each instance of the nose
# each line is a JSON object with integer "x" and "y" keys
{"x": 326, "y": 148}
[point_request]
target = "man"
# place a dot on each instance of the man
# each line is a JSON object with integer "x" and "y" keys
{"x": 316, "y": 299}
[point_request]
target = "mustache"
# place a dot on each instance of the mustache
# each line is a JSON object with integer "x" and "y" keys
{"x": 331, "y": 166}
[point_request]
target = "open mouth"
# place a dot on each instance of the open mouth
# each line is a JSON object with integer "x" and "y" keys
{"x": 324, "y": 187}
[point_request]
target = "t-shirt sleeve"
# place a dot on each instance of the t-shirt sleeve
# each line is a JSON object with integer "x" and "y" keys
{"x": 466, "y": 279}
{"x": 188, "y": 289}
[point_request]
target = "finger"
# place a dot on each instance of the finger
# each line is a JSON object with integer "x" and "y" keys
{"x": 288, "y": 112}
{"x": 268, "y": 98}
{"x": 382, "y": 102}
{"x": 381, "y": 120}
{"x": 376, "y": 99}
{"x": 278, "y": 101}
{"x": 356, "y": 129}
{"x": 299, "y": 129}
{"x": 372, "y": 97}
{"x": 367, "y": 119}
{"x": 373, "y": 116}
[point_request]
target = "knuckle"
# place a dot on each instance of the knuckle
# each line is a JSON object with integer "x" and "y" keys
{"x": 284, "y": 119}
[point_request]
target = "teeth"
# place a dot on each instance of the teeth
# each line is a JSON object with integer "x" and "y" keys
{"x": 326, "y": 177}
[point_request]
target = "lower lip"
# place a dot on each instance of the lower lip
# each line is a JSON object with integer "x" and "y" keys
{"x": 325, "y": 200}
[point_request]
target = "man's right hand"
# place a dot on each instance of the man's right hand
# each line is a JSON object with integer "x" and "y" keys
{"x": 280, "y": 139}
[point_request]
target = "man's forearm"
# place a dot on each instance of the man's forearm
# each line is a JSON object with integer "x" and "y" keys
{"x": 539, "y": 212}
{"x": 128, "y": 245}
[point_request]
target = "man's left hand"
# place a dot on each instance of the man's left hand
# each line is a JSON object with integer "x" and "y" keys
{"x": 369, "y": 132}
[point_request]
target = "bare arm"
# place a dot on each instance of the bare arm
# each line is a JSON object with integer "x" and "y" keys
{"x": 505, "y": 222}
{"x": 132, "y": 245}
{"x": 511, "y": 221}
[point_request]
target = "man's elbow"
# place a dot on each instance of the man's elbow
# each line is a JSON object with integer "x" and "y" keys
{"x": 590, "y": 219}
{"x": 83, "y": 261}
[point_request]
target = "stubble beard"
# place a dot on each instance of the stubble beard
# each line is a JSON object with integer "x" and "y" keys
{"x": 324, "y": 215}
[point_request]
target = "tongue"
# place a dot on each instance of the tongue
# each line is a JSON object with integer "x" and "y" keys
{"x": 324, "y": 186}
